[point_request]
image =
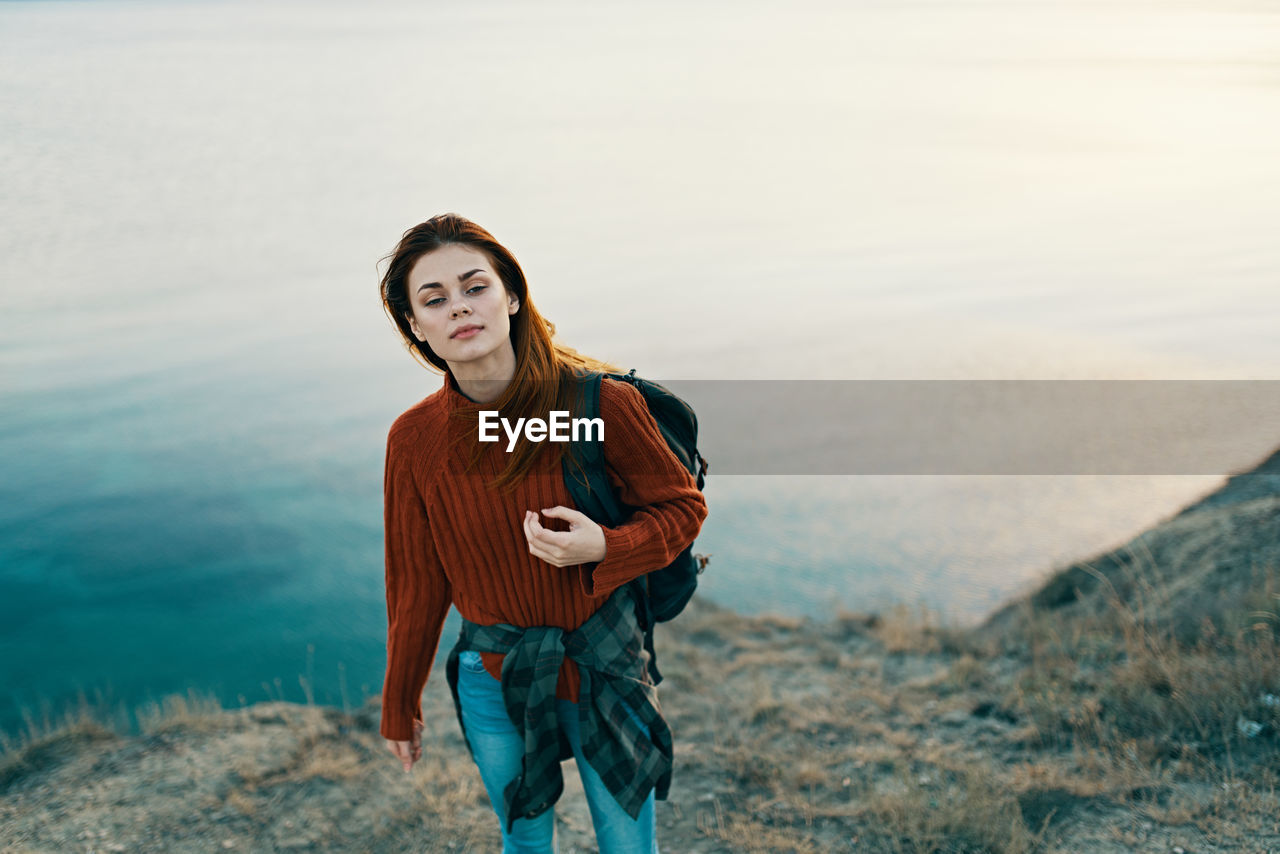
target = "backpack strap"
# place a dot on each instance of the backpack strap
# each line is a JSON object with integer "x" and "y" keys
{"x": 584, "y": 462}
{"x": 584, "y": 471}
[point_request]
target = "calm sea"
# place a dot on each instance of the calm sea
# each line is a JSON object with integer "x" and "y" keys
{"x": 196, "y": 377}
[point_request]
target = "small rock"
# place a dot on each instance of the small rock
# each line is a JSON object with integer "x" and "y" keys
{"x": 1248, "y": 728}
{"x": 228, "y": 843}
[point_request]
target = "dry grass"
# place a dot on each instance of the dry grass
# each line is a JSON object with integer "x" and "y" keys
{"x": 48, "y": 747}
{"x": 752, "y": 836}
{"x": 1110, "y": 708}
{"x": 943, "y": 810}
{"x": 918, "y": 630}
{"x": 318, "y": 756}
{"x": 194, "y": 712}
{"x": 454, "y": 804}
{"x": 905, "y": 629}
{"x": 242, "y": 802}
{"x": 1123, "y": 682}
{"x": 864, "y": 735}
{"x": 334, "y": 762}
{"x": 45, "y": 740}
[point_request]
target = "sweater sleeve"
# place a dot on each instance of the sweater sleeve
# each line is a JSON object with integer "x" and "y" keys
{"x": 418, "y": 597}
{"x": 646, "y": 475}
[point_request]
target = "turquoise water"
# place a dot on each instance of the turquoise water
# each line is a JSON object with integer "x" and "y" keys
{"x": 196, "y": 378}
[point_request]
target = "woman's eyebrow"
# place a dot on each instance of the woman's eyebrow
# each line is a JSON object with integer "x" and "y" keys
{"x": 461, "y": 278}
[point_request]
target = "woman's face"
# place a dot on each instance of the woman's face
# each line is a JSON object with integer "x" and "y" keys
{"x": 460, "y": 307}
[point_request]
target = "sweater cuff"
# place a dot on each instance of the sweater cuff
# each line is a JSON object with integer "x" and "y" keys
{"x": 600, "y": 578}
{"x": 397, "y": 725}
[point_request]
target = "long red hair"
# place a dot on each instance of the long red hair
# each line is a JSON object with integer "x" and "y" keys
{"x": 544, "y": 366}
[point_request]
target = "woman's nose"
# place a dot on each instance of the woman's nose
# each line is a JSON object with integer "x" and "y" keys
{"x": 460, "y": 309}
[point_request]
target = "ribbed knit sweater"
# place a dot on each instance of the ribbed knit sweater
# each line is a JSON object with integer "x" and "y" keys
{"x": 452, "y": 541}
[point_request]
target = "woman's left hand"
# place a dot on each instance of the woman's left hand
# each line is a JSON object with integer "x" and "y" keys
{"x": 582, "y": 543}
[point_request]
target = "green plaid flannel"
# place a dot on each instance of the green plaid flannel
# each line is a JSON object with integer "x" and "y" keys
{"x": 611, "y": 658}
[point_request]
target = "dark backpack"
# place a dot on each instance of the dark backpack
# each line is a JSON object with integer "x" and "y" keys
{"x": 661, "y": 594}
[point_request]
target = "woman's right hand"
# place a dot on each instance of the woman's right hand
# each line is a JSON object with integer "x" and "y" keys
{"x": 408, "y": 752}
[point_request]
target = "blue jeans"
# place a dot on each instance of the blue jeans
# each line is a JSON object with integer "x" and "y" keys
{"x": 498, "y": 749}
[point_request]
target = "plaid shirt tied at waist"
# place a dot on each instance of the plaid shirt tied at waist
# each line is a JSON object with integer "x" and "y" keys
{"x": 609, "y": 651}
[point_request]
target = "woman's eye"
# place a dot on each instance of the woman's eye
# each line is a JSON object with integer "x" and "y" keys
{"x": 438, "y": 300}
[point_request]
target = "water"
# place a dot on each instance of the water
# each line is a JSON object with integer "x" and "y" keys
{"x": 196, "y": 377}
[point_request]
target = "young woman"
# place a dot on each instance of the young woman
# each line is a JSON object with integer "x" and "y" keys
{"x": 550, "y": 662}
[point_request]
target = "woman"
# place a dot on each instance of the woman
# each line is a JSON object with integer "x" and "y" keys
{"x": 550, "y": 662}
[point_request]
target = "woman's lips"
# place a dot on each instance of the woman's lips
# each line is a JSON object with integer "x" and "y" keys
{"x": 467, "y": 333}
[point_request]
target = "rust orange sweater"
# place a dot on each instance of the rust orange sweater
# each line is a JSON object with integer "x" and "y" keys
{"x": 451, "y": 541}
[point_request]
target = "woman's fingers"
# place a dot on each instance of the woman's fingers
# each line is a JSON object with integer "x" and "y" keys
{"x": 546, "y": 536}
{"x": 529, "y": 535}
{"x": 405, "y": 752}
{"x": 534, "y": 533}
{"x": 574, "y": 517}
{"x": 563, "y": 548}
